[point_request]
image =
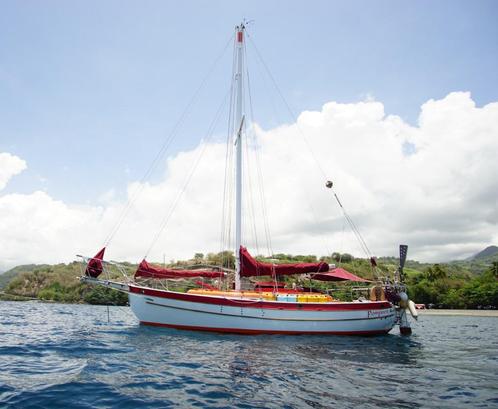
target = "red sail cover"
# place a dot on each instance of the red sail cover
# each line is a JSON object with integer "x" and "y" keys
{"x": 94, "y": 266}
{"x": 251, "y": 267}
{"x": 338, "y": 274}
{"x": 147, "y": 270}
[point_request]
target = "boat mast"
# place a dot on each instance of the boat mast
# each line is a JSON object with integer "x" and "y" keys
{"x": 239, "y": 49}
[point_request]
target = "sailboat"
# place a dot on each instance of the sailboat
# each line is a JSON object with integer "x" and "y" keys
{"x": 266, "y": 308}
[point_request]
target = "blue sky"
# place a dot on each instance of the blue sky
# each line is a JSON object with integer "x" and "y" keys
{"x": 398, "y": 100}
{"x": 90, "y": 89}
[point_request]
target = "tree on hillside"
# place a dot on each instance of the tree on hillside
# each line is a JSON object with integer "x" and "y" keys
{"x": 342, "y": 258}
{"x": 224, "y": 259}
{"x": 336, "y": 256}
{"x": 346, "y": 258}
{"x": 494, "y": 268}
{"x": 436, "y": 272}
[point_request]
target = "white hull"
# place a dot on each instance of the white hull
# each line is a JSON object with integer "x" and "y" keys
{"x": 197, "y": 312}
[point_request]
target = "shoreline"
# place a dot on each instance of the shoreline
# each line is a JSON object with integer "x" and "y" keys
{"x": 463, "y": 313}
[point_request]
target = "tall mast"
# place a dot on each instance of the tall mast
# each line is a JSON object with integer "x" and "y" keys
{"x": 239, "y": 49}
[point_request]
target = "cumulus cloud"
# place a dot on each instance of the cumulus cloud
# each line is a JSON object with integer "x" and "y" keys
{"x": 10, "y": 166}
{"x": 439, "y": 196}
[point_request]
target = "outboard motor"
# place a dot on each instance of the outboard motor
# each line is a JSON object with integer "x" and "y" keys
{"x": 396, "y": 294}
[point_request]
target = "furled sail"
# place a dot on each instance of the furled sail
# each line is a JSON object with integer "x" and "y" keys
{"x": 146, "y": 270}
{"x": 94, "y": 267}
{"x": 251, "y": 267}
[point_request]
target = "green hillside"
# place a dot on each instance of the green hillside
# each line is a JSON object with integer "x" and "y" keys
{"x": 6, "y": 277}
{"x": 458, "y": 284}
{"x": 480, "y": 262}
{"x": 490, "y": 252}
{"x": 57, "y": 283}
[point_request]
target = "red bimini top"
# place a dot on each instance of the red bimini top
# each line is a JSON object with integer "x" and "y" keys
{"x": 338, "y": 274}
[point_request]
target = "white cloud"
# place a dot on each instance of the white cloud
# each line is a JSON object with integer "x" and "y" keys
{"x": 441, "y": 198}
{"x": 10, "y": 166}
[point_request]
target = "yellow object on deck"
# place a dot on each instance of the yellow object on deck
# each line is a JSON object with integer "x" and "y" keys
{"x": 314, "y": 297}
{"x": 234, "y": 294}
{"x": 268, "y": 296}
{"x": 319, "y": 298}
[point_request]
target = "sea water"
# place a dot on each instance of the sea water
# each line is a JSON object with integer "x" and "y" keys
{"x": 73, "y": 356}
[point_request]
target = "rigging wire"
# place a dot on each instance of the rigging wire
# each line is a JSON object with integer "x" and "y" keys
{"x": 257, "y": 155}
{"x": 164, "y": 148}
{"x": 289, "y": 109}
{"x": 225, "y": 237}
{"x": 355, "y": 229}
{"x": 352, "y": 225}
{"x": 341, "y": 242}
{"x": 248, "y": 203}
{"x": 305, "y": 187}
{"x": 205, "y": 143}
{"x": 250, "y": 196}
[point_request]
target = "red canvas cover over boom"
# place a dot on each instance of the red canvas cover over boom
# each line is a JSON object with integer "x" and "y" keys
{"x": 146, "y": 270}
{"x": 251, "y": 267}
